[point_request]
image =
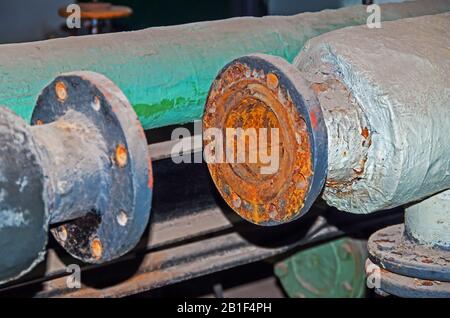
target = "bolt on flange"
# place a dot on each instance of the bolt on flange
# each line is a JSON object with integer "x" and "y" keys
{"x": 83, "y": 165}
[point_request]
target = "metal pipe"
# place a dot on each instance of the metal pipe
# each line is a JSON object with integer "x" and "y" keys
{"x": 77, "y": 156}
{"x": 82, "y": 166}
{"x": 428, "y": 222}
{"x": 388, "y": 117}
{"x": 411, "y": 260}
{"x": 367, "y": 111}
{"x": 166, "y": 72}
{"x": 345, "y": 114}
{"x": 385, "y": 95}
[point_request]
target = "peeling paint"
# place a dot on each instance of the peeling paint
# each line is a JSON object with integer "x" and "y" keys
{"x": 395, "y": 125}
{"x": 22, "y": 183}
{"x": 13, "y": 218}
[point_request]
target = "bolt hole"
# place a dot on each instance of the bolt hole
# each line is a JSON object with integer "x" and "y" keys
{"x": 96, "y": 248}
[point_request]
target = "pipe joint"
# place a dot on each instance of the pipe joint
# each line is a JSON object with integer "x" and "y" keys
{"x": 81, "y": 169}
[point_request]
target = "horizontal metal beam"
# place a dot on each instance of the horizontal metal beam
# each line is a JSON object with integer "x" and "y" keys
{"x": 189, "y": 238}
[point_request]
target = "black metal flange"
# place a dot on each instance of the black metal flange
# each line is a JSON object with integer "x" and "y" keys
{"x": 389, "y": 283}
{"x": 397, "y": 253}
{"x": 86, "y": 166}
{"x": 407, "y": 268}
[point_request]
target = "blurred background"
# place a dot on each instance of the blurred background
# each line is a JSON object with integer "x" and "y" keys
{"x": 24, "y": 20}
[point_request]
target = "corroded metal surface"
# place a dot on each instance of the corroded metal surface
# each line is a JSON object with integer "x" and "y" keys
{"x": 349, "y": 137}
{"x": 413, "y": 259}
{"x": 97, "y": 157}
{"x": 390, "y": 145}
{"x": 255, "y": 92}
{"x": 96, "y": 182}
{"x": 390, "y": 283}
{"x": 392, "y": 250}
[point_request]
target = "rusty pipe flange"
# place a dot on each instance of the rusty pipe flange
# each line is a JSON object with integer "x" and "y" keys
{"x": 388, "y": 283}
{"x": 394, "y": 251}
{"x": 258, "y": 92}
{"x": 95, "y": 154}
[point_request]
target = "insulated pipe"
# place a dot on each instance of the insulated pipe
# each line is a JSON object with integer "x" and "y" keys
{"x": 166, "y": 72}
{"x": 82, "y": 167}
{"x": 385, "y": 97}
{"x": 364, "y": 111}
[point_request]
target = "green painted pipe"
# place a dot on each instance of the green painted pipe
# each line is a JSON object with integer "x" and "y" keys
{"x": 166, "y": 72}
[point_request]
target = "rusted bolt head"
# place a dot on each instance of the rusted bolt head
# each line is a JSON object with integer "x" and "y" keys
{"x": 96, "y": 248}
{"x": 272, "y": 81}
{"x": 121, "y": 156}
{"x": 61, "y": 91}
{"x": 39, "y": 122}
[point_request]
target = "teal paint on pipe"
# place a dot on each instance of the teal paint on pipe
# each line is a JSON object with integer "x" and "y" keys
{"x": 166, "y": 72}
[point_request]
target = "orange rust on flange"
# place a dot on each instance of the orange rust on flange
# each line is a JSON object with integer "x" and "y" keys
{"x": 242, "y": 97}
{"x": 121, "y": 156}
{"x": 61, "y": 91}
{"x": 96, "y": 248}
{"x": 150, "y": 174}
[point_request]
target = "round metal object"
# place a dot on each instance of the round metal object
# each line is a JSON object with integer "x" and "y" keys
{"x": 261, "y": 95}
{"x": 392, "y": 250}
{"x": 23, "y": 213}
{"x": 403, "y": 286}
{"x": 331, "y": 270}
{"x": 95, "y": 155}
{"x": 99, "y": 11}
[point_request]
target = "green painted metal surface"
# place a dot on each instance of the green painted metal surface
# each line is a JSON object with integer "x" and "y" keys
{"x": 330, "y": 270}
{"x": 166, "y": 72}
